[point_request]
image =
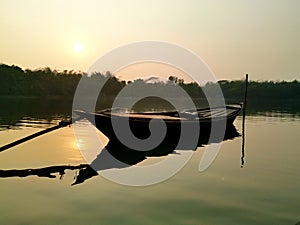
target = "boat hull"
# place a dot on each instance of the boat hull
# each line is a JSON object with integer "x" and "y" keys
{"x": 139, "y": 124}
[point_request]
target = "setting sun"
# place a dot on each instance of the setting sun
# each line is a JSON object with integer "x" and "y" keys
{"x": 78, "y": 47}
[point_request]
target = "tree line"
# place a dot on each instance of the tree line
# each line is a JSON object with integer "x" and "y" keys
{"x": 45, "y": 82}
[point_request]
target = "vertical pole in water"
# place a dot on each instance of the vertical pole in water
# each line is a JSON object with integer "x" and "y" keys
{"x": 243, "y": 123}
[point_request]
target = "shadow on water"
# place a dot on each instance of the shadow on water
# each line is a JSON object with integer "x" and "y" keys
{"x": 113, "y": 155}
{"x": 49, "y": 171}
{"x": 116, "y": 155}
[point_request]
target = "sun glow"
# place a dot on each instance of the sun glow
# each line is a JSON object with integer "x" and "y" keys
{"x": 78, "y": 47}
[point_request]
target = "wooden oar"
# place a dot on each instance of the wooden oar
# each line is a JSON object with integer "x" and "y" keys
{"x": 37, "y": 134}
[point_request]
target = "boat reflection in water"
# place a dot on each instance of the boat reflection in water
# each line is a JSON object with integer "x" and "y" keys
{"x": 116, "y": 155}
{"x": 49, "y": 172}
{"x": 113, "y": 155}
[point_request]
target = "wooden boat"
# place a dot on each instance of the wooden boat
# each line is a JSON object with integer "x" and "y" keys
{"x": 139, "y": 122}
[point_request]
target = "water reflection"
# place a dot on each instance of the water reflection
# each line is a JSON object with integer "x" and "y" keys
{"x": 32, "y": 112}
{"x": 113, "y": 155}
{"x": 39, "y": 112}
{"x": 18, "y": 112}
{"x": 48, "y": 172}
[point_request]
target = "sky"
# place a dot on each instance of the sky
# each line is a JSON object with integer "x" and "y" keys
{"x": 233, "y": 37}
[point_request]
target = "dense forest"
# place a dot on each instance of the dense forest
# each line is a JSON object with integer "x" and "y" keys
{"x": 14, "y": 81}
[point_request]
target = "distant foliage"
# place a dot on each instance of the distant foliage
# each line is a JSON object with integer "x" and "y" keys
{"x": 46, "y": 82}
{"x": 15, "y": 81}
{"x": 281, "y": 90}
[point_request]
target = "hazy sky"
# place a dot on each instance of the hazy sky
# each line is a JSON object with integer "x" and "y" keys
{"x": 234, "y": 37}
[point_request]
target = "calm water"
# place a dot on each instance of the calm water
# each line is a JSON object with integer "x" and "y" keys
{"x": 265, "y": 191}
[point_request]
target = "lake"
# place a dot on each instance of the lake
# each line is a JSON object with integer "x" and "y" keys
{"x": 264, "y": 191}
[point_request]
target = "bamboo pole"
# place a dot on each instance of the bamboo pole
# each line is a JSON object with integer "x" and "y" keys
{"x": 37, "y": 134}
{"x": 243, "y": 122}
